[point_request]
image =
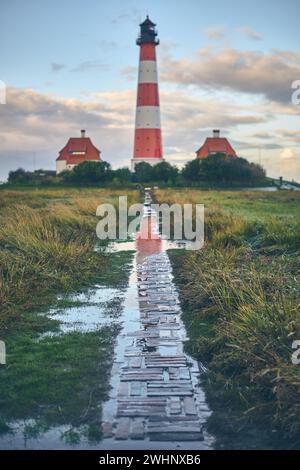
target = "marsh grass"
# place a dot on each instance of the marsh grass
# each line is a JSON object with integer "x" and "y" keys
{"x": 241, "y": 302}
{"x": 47, "y": 240}
{"x": 47, "y": 247}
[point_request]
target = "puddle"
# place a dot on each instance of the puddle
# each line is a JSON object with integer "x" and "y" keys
{"x": 130, "y": 245}
{"x": 96, "y": 294}
{"x": 100, "y": 307}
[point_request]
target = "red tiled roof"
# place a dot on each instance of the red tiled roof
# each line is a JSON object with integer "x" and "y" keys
{"x": 214, "y": 145}
{"x": 79, "y": 144}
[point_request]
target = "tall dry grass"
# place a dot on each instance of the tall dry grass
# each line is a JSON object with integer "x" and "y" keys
{"x": 241, "y": 297}
{"x": 47, "y": 243}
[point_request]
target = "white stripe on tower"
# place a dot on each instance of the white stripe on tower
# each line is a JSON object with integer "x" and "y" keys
{"x": 147, "y": 71}
{"x": 147, "y": 117}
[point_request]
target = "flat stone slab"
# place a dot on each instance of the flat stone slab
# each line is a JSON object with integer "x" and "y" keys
{"x": 137, "y": 429}
{"x": 169, "y": 393}
{"x": 122, "y": 430}
{"x": 190, "y": 406}
{"x": 107, "y": 429}
{"x": 176, "y": 436}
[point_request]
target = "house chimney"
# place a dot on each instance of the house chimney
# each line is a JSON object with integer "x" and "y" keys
{"x": 82, "y": 133}
{"x": 216, "y": 133}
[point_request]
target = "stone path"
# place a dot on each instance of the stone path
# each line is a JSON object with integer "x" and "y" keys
{"x": 158, "y": 396}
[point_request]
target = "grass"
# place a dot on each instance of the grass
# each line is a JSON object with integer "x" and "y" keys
{"x": 47, "y": 247}
{"x": 47, "y": 240}
{"x": 57, "y": 381}
{"x": 241, "y": 301}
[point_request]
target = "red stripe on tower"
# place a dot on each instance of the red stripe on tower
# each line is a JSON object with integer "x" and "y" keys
{"x": 147, "y": 94}
{"x": 147, "y": 138}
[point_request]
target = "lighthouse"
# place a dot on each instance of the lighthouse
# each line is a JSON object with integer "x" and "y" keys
{"x": 147, "y": 137}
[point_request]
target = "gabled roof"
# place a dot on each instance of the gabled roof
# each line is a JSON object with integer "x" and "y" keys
{"x": 215, "y": 145}
{"x": 79, "y": 144}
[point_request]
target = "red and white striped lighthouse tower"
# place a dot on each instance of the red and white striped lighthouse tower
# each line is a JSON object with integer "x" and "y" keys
{"x": 147, "y": 138}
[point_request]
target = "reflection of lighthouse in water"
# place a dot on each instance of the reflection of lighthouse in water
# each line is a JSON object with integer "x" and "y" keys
{"x": 147, "y": 138}
{"x": 148, "y": 239}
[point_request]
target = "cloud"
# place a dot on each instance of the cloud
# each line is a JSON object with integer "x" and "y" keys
{"x": 41, "y": 123}
{"x": 106, "y": 44}
{"x": 130, "y": 72}
{"x": 250, "y": 33}
{"x": 132, "y": 15}
{"x": 55, "y": 67}
{"x": 265, "y": 74}
{"x": 287, "y": 154}
{"x": 290, "y": 135}
{"x": 215, "y": 32}
{"x": 262, "y": 135}
{"x": 88, "y": 65}
{"x": 203, "y": 113}
{"x": 249, "y": 144}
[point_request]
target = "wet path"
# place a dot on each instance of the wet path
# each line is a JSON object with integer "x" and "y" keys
{"x": 156, "y": 399}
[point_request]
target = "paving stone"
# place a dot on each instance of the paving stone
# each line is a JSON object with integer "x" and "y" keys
{"x": 123, "y": 429}
{"x": 175, "y": 405}
{"x": 169, "y": 393}
{"x": 143, "y": 401}
{"x": 190, "y": 406}
{"x": 191, "y": 426}
{"x": 139, "y": 412}
{"x": 173, "y": 392}
{"x": 184, "y": 373}
{"x": 137, "y": 429}
{"x": 164, "y": 422}
{"x": 136, "y": 362}
{"x": 176, "y": 436}
{"x": 135, "y": 388}
{"x": 107, "y": 429}
{"x": 170, "y": 383}
{"x": 123, "y": 389}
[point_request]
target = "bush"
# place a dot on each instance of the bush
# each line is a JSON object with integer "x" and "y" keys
{"x": 88, "y": 172}
{"x": 222, "y": 168}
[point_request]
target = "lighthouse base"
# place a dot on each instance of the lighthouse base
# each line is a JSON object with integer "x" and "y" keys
{"x": 151, "y": 161}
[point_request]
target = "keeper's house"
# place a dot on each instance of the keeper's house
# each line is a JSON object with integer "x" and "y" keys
{"x": 215, "y": 144}
{"x": 77, "y": 150}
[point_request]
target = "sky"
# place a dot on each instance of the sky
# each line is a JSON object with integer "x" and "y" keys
{"x": 72, "y": 64}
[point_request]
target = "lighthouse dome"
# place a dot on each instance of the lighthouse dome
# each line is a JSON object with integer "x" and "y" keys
{"x": 148, "y": 33}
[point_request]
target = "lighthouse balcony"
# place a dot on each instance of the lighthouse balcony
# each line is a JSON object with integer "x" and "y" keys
{"x": 143, "y": 39}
